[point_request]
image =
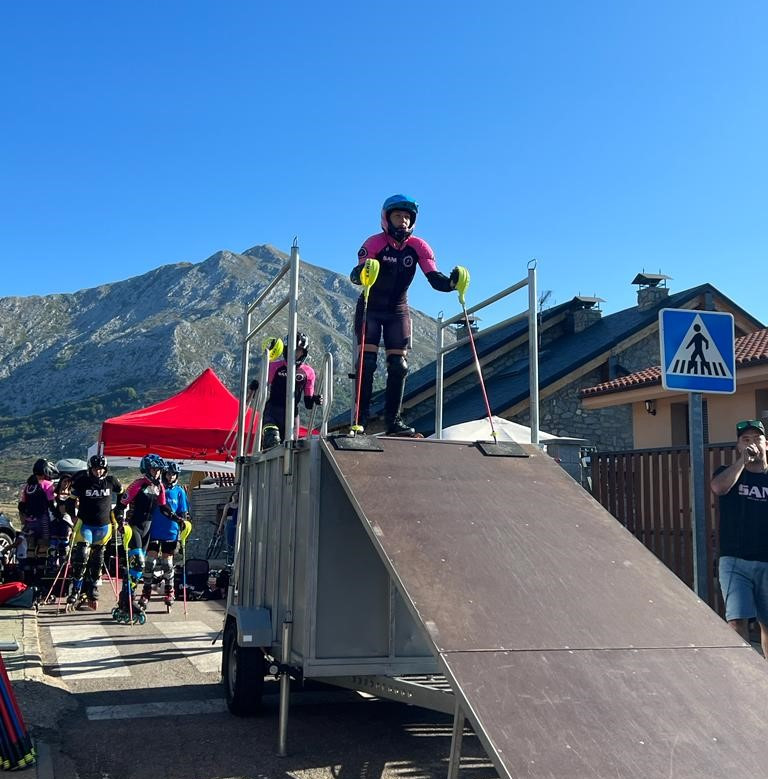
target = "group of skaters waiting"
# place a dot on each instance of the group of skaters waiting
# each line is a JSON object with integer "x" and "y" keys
{"x": 68, "y": 521}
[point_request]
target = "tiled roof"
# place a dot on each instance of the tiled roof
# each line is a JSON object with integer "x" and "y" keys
{"x": 751, "y": 349}
{"x": 632, "y": 381}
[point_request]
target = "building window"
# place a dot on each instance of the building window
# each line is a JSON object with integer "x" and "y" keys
{"x": 679, "y": 421}
{"x": 761, "y": 404}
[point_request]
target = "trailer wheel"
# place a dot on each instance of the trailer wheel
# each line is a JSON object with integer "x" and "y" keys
{"x": 243, "y": 674}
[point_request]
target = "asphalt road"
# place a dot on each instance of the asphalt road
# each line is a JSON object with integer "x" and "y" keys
{"x": 132, "y": 702}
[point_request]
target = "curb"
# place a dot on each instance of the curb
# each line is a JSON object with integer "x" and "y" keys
{"x": 25, "y": 663}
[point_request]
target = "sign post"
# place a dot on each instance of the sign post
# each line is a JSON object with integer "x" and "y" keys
{"x": 697, "y": 356}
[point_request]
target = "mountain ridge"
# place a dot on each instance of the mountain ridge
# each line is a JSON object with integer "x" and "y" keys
{"x": 70, "y": 360}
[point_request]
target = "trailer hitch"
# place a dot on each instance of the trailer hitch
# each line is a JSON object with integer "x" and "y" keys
{"x": 277, "y": 669}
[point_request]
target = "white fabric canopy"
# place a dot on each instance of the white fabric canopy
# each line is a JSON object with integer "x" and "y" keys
{"x": 480, "y": 430}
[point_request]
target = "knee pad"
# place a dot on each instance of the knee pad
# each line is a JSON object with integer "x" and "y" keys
{"x": 166, "y": 567}
{"x": 397, "y": 365}
{"x": 149, "y": 567}
{"x": 271, "y": 437}
{"x": 80, "y": 553}
{"x": 369, "y": 361}
{"x": 135, "y": 561}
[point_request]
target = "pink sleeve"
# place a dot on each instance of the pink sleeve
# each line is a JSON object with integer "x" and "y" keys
{"x": 274, "y": 367}
{"x": 161, "y": 497}
{"x": 425, "y": 255}
{"x": 371, "y": 247}
{"x": 132, "y": 491}
{"x": 48, "y": 489}
{"x": 309, "y": 386}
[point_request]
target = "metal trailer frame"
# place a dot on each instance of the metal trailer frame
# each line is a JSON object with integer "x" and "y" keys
{"x": 297, "y": 522}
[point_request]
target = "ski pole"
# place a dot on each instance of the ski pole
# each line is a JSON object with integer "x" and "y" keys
{"x": 462, "y": 283}
{"x": 15, "y": 748}
{"x": 187, "y": 529}
{"x": 368, "y": 276}
{"x": 23, "y": 734}
{"x": 127, "y": 533}
{"x": 67, "y": 565}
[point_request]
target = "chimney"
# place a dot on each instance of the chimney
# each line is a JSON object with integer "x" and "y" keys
{"x": 651, "y": 289}
{"x": 461, "y": 328}
{"x": 584, "y": 313}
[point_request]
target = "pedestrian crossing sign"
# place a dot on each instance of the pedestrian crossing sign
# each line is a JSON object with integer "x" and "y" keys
{"x": 697, "y": 351}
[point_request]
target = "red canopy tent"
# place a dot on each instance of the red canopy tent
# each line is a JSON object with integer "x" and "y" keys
{"x": 195, "y": 424}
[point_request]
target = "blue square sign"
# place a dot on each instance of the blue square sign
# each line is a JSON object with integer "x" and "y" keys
{"x": 697, "y": 351}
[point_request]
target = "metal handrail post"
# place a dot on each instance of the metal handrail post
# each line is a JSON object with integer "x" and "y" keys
{"x": 327, "y": 392}
{"x": 290, "y": 382}
{"x": 439, "y": 379}
{"x": 290, "y": 379}
{"x": 243, "y": 390}
{"x": 533, "y": 353}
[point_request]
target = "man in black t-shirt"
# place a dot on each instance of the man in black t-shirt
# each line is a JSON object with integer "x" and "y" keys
{"x": 742, "y": 488}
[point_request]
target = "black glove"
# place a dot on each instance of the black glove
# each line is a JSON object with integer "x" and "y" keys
{"x": 354, "y": 276}
{"x": 454, "y": 277}
{"x": 254, "y": 386}
{"x": 180, "y": 519}
{"x": 317, "y": 400}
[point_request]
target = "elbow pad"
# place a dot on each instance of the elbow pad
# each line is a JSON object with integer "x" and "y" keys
{"x": 439, "y": 281}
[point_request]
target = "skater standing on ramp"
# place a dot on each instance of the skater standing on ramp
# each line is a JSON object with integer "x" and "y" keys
{"x": 743, "y": 568}
{"x": 397, "y": 252}
{"x": 93, "y": 489}
{"x": 274, "y": 411}
{"x": 164, "y": 535}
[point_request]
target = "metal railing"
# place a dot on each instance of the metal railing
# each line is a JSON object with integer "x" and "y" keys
{"x": 530, "y": 314}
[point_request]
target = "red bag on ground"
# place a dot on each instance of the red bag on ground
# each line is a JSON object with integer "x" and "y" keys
{"x": 11, "y": 590}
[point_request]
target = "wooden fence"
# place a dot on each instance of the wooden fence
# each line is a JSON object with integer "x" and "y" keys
{"x": 648, "y": 491}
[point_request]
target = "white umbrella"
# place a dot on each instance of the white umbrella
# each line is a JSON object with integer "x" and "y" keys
{"x": 480, "y": 430}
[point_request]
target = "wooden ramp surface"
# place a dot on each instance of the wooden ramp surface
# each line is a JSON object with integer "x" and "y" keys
{"x": 574, "y": 651}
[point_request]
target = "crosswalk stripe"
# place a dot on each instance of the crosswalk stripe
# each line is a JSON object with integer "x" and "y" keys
{"x": 156, "y": 709}
{"x": 195, "y": 641}
{"x": 86, "y": 652}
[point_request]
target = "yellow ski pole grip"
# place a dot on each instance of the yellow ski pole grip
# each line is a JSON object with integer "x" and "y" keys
{"x": 369, "y": 273}
{"x": 462, "y": 282}
{"x": 274, "y": 346}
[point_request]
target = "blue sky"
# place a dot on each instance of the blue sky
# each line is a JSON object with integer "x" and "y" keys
{"x": 601, "y": 138}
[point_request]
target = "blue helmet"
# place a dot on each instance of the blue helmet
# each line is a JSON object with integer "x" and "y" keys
{"x": 151, "y": 462}
{"x": 398, "y": 203}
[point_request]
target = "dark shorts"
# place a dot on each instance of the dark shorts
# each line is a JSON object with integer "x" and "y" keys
{"x": 275, "y": 415}
{"x": 140, "y": 534}
{"x": 394, "y": 326}
{"x": 166, "y": 547}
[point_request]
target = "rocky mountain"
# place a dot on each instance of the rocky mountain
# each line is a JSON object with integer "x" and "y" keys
{"x": 69, "y": 361}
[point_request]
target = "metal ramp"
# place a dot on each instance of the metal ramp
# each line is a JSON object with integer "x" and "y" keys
{"x": 571, "y": 649}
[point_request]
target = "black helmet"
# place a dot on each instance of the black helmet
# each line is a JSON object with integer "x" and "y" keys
{"x": 172, "y": 468}
{"x": 98, "y": 461}
{"x": 151, "y": 462}
{"x": 44, "y": 468}
{"x": 302, "y": 342}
